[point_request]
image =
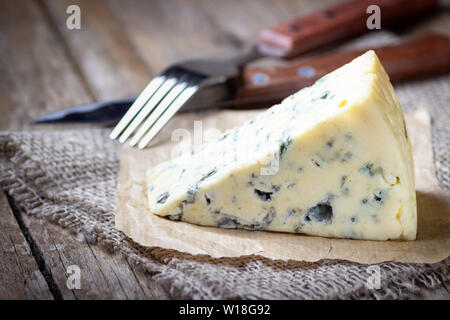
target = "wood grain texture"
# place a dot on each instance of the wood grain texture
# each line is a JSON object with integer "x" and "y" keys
{"x": 103, "y": 275}
{"x": 20, "y": 277}
{"x": 37, "y": 76}
{"x": 101, "y": 48}
{"x": 164, "y": 33}
{"x": 120, "y": 46}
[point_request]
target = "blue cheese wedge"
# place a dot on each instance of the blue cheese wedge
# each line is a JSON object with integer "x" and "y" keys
{"x": 332, "y": 160}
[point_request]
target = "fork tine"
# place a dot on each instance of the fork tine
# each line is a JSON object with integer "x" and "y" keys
{"x": 156, "y": 98}
{"x": 138, "y": 104}
{"x": 162, "y": 106}
{"x": 168, "y": 113}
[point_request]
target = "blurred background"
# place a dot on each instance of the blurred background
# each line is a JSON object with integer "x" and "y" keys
{"x": 44, "y": 66}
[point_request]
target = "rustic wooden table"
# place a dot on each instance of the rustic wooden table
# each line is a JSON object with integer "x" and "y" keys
{"x": 44, "y": 67}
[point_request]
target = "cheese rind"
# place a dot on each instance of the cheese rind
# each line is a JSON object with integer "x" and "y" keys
{"x": 332, "y": 160}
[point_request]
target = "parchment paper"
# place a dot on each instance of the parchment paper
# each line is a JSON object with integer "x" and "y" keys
{"x": 132, "y": 217}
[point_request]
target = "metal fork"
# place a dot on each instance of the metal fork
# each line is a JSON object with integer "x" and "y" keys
{"x": 184, "y": 85}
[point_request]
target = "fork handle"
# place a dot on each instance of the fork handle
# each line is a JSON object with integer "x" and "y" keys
{"x": 336, "y": 23}
{"x": 425, "y": 55}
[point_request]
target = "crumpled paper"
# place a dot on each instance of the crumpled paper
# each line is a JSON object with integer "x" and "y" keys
{"x": 134, "y": 219}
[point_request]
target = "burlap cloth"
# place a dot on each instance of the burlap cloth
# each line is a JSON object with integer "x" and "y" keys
{"x": 70, "y": 178}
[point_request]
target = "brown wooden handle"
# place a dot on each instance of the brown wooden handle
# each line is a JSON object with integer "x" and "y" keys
{"x": 426, "y": 55}
{"x": 340, "y": 22}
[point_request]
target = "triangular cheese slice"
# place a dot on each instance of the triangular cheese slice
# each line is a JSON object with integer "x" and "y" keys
{"x": 332, "y": 160}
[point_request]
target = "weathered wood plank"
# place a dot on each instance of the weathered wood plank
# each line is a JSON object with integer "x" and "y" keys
{"x": 20, "y": 277}
{"x": 36, "y": 76}
{"x": 102, "y": 50}
{"x": 165, "y": 32}
{"x": 102, "y": 275}
{"x": 128, "y": 41}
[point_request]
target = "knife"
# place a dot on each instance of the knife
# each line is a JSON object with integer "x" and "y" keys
{"x": 291, "y": 38}
{"x": 263, "y": 86}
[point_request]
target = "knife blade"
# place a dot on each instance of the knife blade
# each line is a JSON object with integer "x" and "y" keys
{"x": 96, "y": 112}
{"x": 263, "y": 86}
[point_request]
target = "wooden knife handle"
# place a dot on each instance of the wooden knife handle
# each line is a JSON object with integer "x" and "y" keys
{"x": 425, "y": 55}
{"x": 336, "y": 23}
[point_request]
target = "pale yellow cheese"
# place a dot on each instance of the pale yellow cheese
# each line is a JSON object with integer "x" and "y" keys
{"x": 332, "y": 160}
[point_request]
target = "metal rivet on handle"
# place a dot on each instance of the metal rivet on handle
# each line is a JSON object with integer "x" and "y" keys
{"x": 260, "y": 78}
{"x": 306, "y": 72}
